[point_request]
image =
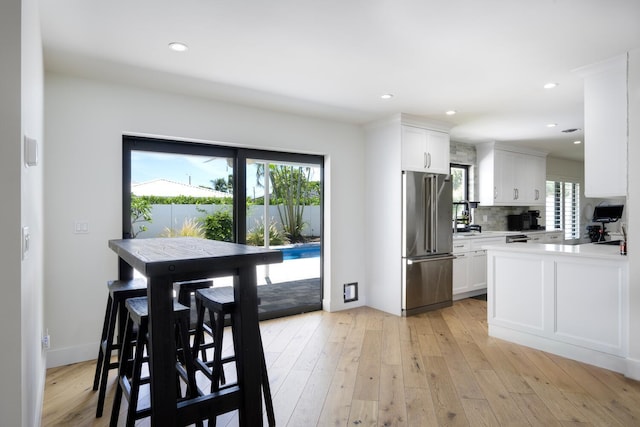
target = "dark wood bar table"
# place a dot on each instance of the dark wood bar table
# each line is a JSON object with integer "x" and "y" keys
{"x": 167, "y": 260}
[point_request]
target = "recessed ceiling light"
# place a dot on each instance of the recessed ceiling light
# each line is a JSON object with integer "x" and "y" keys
{"x": 550, "y": 85}
{"x": 552, "y": 125}
{"x": 387, "y": 96}
{"x": 451, "y": 112}
{"x": 577, "y": 142}
{"x": 178, "y": 47}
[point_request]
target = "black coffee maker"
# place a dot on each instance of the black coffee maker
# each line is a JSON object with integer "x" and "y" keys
{"x": 594, "y": 232}
{"x": 534, "y": 216}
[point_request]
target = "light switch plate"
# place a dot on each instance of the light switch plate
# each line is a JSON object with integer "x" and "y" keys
{"x": 30, "y": 151}
{"x": 26, "y": 237}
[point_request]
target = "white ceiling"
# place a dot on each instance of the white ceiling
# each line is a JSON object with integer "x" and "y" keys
{"x": 487, "y": 59}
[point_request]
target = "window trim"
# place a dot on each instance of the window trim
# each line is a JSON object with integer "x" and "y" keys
{"x": 240, "y": 156}
{"x": 467, "y": 169}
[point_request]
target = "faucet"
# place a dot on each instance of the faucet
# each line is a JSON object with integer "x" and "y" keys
{"x": 455, "y": 215}
{"x": 469, "y": 206}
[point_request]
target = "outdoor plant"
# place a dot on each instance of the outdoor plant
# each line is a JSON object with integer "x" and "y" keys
{"x": 292, "y": 190}
{"x": 255, "y": 236}
{"x": 191, "y": 227}
{"x": 140, "y": 213}
{"x": 218, "y": 226}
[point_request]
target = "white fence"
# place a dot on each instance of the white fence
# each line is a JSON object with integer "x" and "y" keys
{"x": 173, "y": 216}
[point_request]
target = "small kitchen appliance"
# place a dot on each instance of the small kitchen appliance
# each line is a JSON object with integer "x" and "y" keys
{"x": 534, "y": 225}
{"x": 606, "y": 214}
{"x": 524, "y": 221}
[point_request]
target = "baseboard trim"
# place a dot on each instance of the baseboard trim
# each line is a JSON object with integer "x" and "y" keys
{"x": 68, "y": 355}
{"x": 570, "y": 351}
{"x": 633, "y": 369}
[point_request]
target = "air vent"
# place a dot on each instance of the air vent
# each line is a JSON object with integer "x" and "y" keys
{"x": 571, "y": 130}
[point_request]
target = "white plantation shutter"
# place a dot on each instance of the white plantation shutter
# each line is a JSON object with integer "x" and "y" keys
{"x": 554, "y": 206}
{"x": 571, "y": 210}
{"x": 563, "y": 208}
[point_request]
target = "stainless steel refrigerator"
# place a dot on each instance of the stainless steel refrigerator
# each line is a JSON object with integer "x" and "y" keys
{"x": 427, "y": 259}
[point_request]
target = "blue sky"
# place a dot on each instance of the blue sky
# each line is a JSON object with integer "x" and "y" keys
{"x": 197, "y": 170}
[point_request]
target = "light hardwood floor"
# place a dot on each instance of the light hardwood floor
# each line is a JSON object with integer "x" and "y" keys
{"x": 362, "y": 367}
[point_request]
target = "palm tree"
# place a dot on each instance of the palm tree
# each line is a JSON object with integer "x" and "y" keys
{"x": 290, "y": 188}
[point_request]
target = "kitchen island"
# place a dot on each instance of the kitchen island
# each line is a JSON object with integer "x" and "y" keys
{"x": 569, "y": 300}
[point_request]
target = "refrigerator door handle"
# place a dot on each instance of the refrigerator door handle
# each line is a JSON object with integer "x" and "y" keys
{"x": 434, "y": 214}
{"x": 429, "y": 259}
{"x": 426, "y": 204}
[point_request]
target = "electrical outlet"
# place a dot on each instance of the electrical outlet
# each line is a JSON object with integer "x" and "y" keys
{"x": 81, "y": 227}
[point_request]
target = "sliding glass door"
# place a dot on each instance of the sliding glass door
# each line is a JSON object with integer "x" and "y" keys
{"x": 284, "y": 213}
{"x": 262, "y": 198}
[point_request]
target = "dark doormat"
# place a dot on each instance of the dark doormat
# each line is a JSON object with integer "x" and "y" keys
{"x": 281, "y": 299}
{"x": 289, "y": 298}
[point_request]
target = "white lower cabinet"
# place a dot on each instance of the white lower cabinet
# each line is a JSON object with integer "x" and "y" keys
{"x": 460, "y": 266}
{"x": 564, "y": 301}
{"x": 478, "y": 270}
{"x": 470, "y": 266}
{"x": 554, "y": 237}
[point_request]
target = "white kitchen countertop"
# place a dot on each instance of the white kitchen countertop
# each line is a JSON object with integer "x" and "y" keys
{"x": 588, "y": 250}
{"x": 487, "y": 234}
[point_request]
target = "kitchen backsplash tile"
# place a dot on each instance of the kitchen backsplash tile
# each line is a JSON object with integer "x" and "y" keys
{"x": 463, "y": 153}
{"x": 497, "y": 216}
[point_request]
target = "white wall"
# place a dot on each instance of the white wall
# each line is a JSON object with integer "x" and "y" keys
{"x": 633, "y": 208}
{"x": 21, "y": 101}
{"x": 84, "y": 126}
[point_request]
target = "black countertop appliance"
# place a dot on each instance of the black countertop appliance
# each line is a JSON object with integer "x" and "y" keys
{"x": 534, "y": 217}
{"x": 524, "y": 221}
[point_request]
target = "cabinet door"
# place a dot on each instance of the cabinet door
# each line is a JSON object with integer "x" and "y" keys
{"x": 555, "y": 237}
{"x": 606, "y": 129}
{"x": 437, "y": 149}
{"x": 529, "y": 178}
{"x": 537, "y": 238}
{"x": 414, "y": 149}
{"x": 504, "y": 181}
{"x": 460, "y": 273}
{"x": 539, "y": 180}
{"x": 477, "y": 270}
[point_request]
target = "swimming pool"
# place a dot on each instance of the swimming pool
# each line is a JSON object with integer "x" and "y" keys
{"x": 304, "y": 250}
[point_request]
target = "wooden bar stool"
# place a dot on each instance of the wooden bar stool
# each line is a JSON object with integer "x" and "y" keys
{"x": 119, "y": 291}
{"x": 185, "y": 292}
{"x": 219, "y": 302}
{"x": 130, "y": 371}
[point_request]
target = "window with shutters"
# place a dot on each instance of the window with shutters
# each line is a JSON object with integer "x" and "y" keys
{"x": 563, "y": 208}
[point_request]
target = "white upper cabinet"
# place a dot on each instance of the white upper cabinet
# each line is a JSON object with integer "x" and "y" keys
{"x": 605, "y": 128}
{"x": 425, "y": 150}
{"x": 511, "y": 176}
